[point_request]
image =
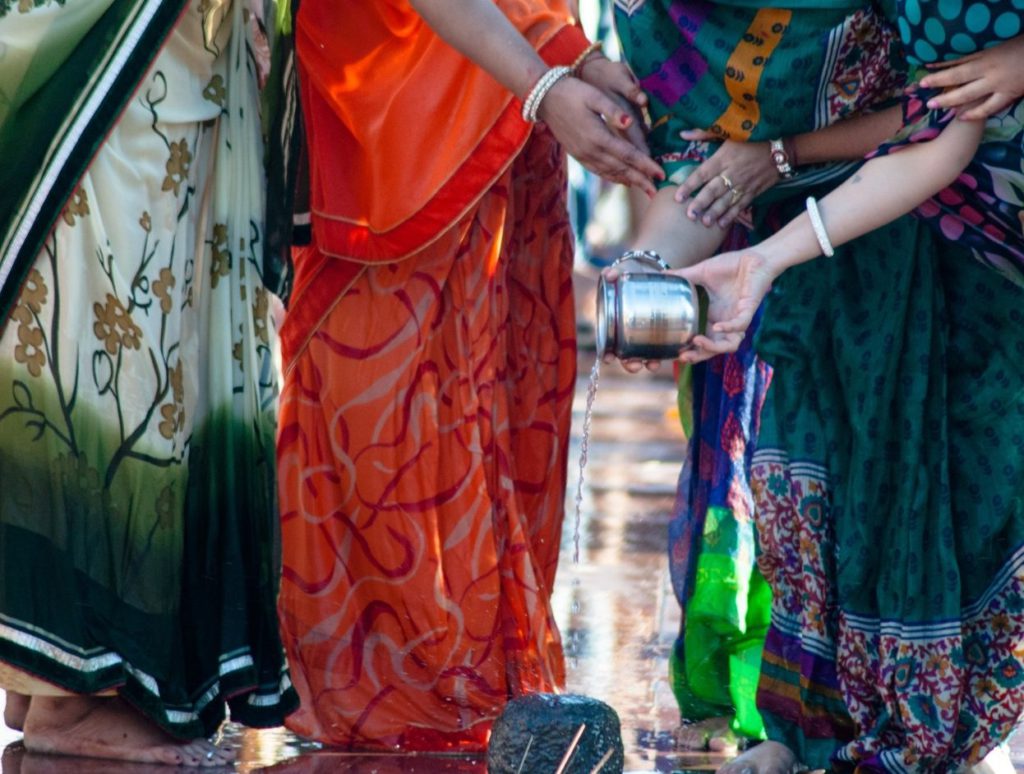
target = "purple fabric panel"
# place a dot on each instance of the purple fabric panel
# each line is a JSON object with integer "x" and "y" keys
{"x": 681, "y": 71}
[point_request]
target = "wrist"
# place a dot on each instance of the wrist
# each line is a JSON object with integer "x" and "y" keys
{"x": 781, "y": 158}
{"x": 588, "y": 55}
{"x": 536, "y": 97}
{"x": 792, "y": 245}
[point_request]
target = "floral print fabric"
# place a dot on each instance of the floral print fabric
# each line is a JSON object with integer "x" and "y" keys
{"x": 136, "y": 411}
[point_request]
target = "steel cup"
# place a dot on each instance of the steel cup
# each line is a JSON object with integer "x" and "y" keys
{"x": 645, "y": 316}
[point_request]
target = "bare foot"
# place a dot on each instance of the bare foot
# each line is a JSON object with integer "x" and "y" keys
{"x": 90, "y": 727}
{"x": 15, "y": 709}
{"x": 714, "y": 734}
{"x": 765, "y": 758}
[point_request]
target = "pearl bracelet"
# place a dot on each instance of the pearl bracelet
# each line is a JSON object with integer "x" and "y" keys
{"x": 819, "y": 228}
{"x": 540, "y": 89}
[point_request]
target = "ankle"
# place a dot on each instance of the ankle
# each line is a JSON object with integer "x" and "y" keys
{"x": 60, "y": 711}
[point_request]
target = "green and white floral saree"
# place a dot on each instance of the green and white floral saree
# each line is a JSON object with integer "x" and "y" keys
{"x": 137, "y": 386}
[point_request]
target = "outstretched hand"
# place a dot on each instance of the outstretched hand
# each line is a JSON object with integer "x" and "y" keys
{"x": 979, "y": 84}
{"x": 736, "y": 283}
{"x": 577, "y": 114}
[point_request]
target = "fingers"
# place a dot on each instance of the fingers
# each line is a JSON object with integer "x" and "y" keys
{"x": 704, "y": 347}
{"x": 718, "y": 208}
{"x": 962, "y": 71}
{"x": 698, "y": 135}
{"x": 737, "y": 324}
{"x": 735, "y": 211}
{"x": 634, "y": 366}
{"x": 697, "y": 179}
{"x": 989, "y": 107}
{"x": 713, "y": 201}
{"x": 958, "y": 97}
{"x": 952, "y": 63}
{"x": 618, "y": 161}
{"x": 619, "y": 79}
{"x": 637, "y": 137}
{"x": 616, "y": 146}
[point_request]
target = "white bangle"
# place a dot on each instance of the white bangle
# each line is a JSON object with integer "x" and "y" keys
{"x": 540, "y": 89}
{"x": 819, "y": 228}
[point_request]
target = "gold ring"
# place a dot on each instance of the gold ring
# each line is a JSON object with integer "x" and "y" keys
{"x": 727, "y": 181}
{"x": 736, "y": 194}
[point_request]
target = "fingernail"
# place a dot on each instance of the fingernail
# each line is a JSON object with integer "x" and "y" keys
{"x": 707, "y": 221}
{"x": 932, "y": 104}
{"x": 624, "y": 120}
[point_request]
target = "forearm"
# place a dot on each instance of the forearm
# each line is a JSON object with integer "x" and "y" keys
{"x": 884, "y": 189}
{"x": 847, "y": 140}
{"x": 479, "y": 30}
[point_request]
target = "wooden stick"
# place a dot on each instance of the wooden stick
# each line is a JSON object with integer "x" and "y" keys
{"x": 525, "y": 753}
{"x": 604, "y": 759}
{"x": 572, "y": 748}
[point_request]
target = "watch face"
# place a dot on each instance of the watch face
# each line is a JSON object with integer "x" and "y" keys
{"x": 779, "y": 157}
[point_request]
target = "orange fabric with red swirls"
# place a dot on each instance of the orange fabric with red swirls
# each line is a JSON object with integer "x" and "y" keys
{"x": 422, "y": 450}
{"x": 405, "y": 133}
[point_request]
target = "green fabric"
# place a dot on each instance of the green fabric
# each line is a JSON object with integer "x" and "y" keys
{"x": 138, "y": 546}
{"x": 685, "y": 56}
{"x": 898, "y": 372}
{"x": 725, "y": 623}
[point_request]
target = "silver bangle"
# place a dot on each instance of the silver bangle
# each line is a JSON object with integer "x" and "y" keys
{"x": 649, "y": 257}
{"x": 819, "y": 227}
{"x": 540, "y": 89}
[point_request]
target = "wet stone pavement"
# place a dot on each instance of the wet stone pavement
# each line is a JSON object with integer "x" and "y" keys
{"x": 615, "y": 607}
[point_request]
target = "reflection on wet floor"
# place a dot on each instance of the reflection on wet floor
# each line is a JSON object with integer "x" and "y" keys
{"x": 615, "y": 608}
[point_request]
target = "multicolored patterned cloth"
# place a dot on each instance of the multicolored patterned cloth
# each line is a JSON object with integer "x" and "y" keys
{"x": 716, "y": 659}
{"x": 888, "y": 475}
{"x": 728, "y": 66}
{"x": 982, "y": 209}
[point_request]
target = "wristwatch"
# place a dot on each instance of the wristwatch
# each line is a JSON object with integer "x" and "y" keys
{"x": 780, "y": 158}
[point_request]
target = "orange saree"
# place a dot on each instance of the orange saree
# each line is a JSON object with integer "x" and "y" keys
{"x": 430, "y": 362}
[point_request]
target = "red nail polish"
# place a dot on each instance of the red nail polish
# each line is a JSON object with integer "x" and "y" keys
{"x": 624, "y": 120}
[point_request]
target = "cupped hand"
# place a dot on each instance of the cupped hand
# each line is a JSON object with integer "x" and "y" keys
{"x": 736, "y": 283}
{"x": 577, "y": 114}
{"x": 747, "y": 166}
{"x": 993, "y": 78}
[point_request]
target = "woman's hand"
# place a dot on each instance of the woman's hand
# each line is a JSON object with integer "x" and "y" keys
{"x": 735, "y": 283}
{"x": 616, "y": 81}
{"x": 580, "y": 116}
{"x": 728, "y": 181}
{"x": 994, "y": 78}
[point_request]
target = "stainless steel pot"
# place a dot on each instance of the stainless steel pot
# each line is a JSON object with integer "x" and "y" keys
{"x": 645, "y": 316}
